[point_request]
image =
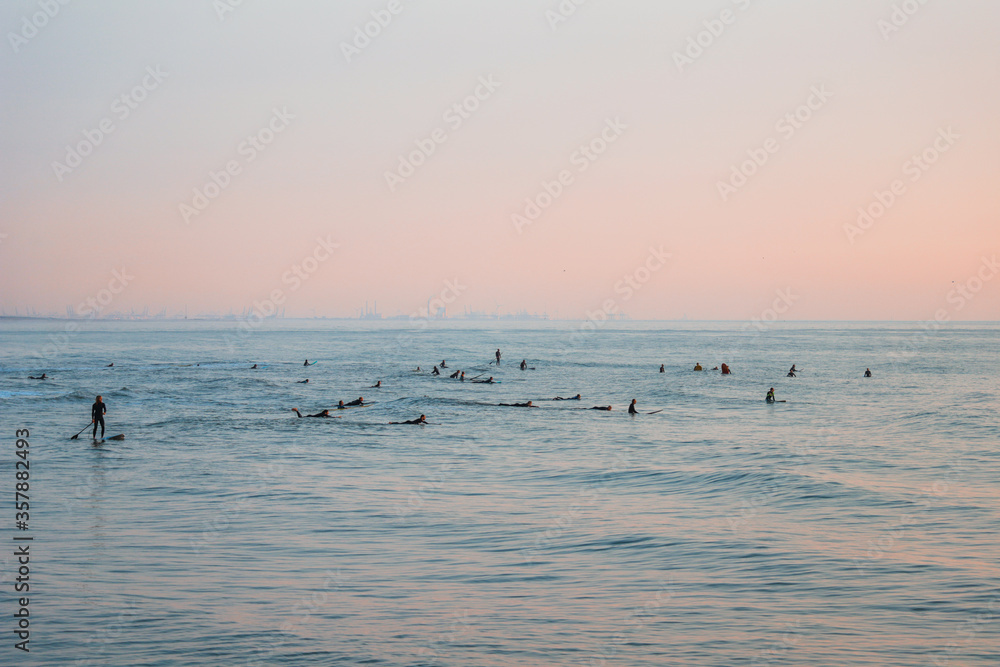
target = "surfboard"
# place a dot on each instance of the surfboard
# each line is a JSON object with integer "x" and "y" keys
{"x": 654, "y": 411}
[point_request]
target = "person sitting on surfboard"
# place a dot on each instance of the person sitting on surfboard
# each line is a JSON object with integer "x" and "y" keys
{"x": 698, "y": 367}
{"x": 97, "y": 412}
{"x": 462, "y": 378}
{"x": 377, "y": 385}
{"x": 324, "y": 413}
{"x": 791, "y": 371}
{"x": 435, "y": 371}
{"x": 868, "y": 372}
{"x": 770, "y": 396}
{"x": 455, "y": 375}
{"x": 631, "y": 408}
{"x": 524, "y": 364}
{"x": 519, "y": 405}
{"x": 444, "y": 363}
{"x": 307, "y": 363}
{"x": 661, "y": 369}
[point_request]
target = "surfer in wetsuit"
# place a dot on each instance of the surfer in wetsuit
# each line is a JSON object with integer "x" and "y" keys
{"x": 254, "y": 367}
{"x": 462, "y": 378}
{"x": 435, "y": 371}
{"x": 110, "y": 365}
{"x": 324, "y": 413}
{"x": 490, "y": 381}
{"x": 443, "y": 364}
{"x": 571, "y": 398}
{"x": 519, "y": 405}
{"x": 43, "y": 376}
{"x": 631, "y": 408}
{"x": 454, "y": 376}
{"x": 791, "y": 371}
{"x": 661, "y": 369}
{"x": 419, "y": 420}
{"x": 868, "y": 372}
{"x": 377, "y": 385}
{"x": 524, "y": 364}
{"x": 360, "y": 401}
{"x": 602, "y": 407}
{"x": 306, "y": 381}
{"x": 770, "y": 396}
{"x": 498, "y": 356}
{"x": 97, "y": 411}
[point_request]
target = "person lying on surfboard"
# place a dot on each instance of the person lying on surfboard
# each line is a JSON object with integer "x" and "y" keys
{"x": 602, "y": 407}
{"x": 490, "y": 381}
{"x": 324, "y": 413}
{"x": 571, "y": 398}
{"x": 519, "y": 405}
{"x": 360, "y": 401}
{"x": 419, "y": 420}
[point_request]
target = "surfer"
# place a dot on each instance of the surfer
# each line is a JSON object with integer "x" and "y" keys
{"x": 435, "y": 371}
{"x": 571, "y": 398}
{"x": 490, "y": 381}
{"x": 455, "y": 375}
{"x": 377, "y": 385}
{"x": 97, "y": 411}
{"x": 254, "y": 367}
{"x": 324, "y": 413}
{"x": 698, "y": 367}
{"x": 791, "y": 371}
{"x": 519, "y": 405}
{"x": 418, "y": 370}
{"x": 868, "y": 372}
{"x": 444, "y": 364}
{"x": 725, "y": 369}
{"x": 498, "y": 356}
{"x": 606, "y": 408}
{"x": 306, "y": 381}
{"x": 631, "y": 408}
{"x": 462, "y": 377}
{"x": 661, "y": 369}
{"x": 340, "y": 405}
{"x": 43, "y": 376}
{"x": 770, "y": 396}
{"x": 524, "y": 364}
{"x": 419, "y": 420}
{"x": 110, "y": 365}
{"x": 353, "y": 404}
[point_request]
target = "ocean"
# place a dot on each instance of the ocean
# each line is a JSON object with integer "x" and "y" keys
{"x": 858, "y": 523}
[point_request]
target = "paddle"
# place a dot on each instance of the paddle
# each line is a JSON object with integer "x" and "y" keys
{"x": 81, "y": 431}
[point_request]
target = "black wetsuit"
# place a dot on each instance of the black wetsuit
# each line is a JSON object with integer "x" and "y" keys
{"x": 632, "y": 410}
{"x": 97, "y": 411}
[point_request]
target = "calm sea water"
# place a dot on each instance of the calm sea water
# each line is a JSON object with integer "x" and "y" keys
{"x": 856, "y": 524}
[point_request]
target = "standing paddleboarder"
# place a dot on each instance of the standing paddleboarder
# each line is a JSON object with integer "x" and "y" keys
{"x": 97, "y": 411}
{"x": 498, "y": 356}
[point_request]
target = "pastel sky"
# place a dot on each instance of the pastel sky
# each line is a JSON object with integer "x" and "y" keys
{"x": 677, "y": 119}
